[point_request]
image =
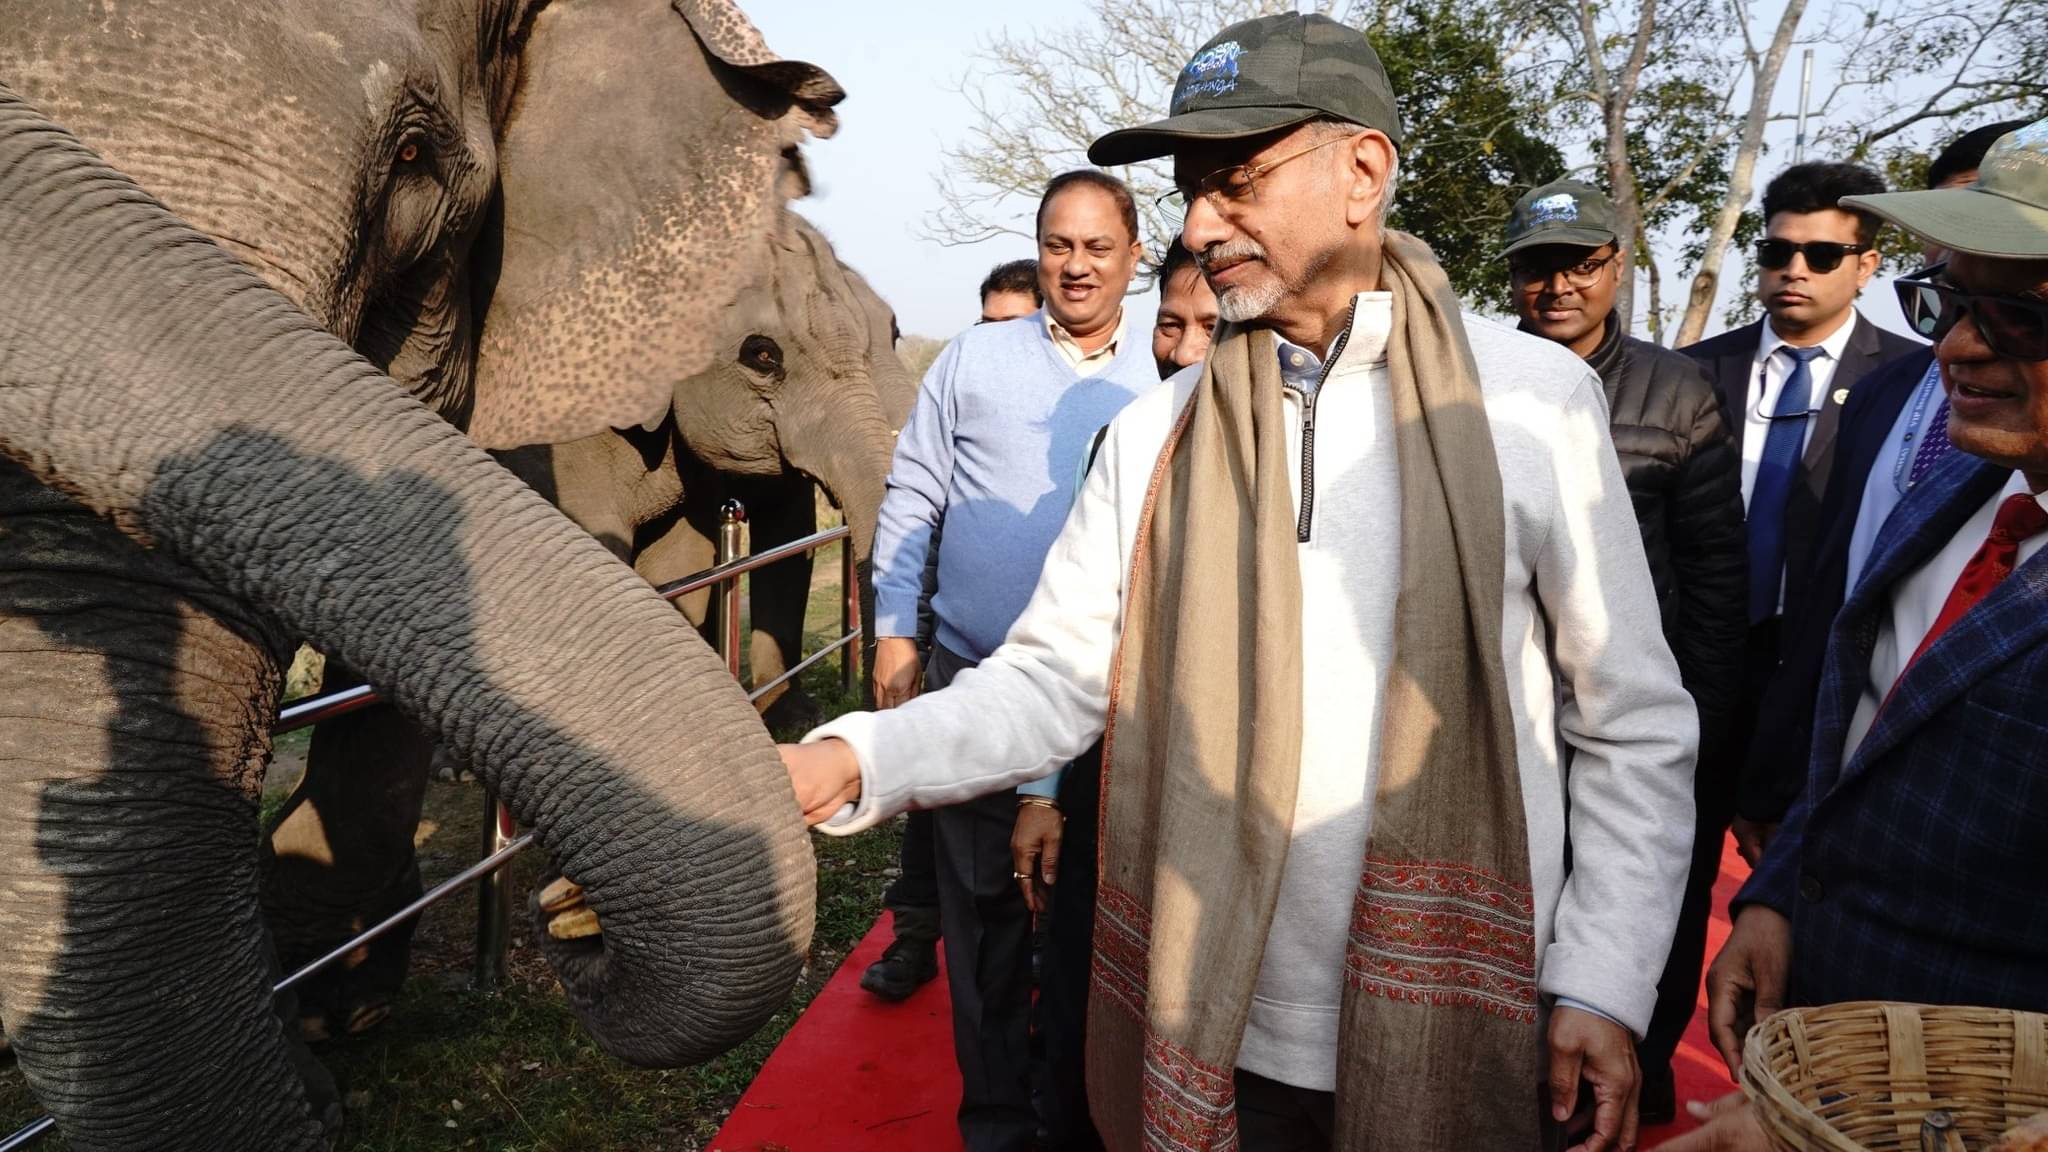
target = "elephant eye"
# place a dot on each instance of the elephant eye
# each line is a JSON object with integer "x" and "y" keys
{"x": 761, "y": 354}
{"x": 408, "y": 151}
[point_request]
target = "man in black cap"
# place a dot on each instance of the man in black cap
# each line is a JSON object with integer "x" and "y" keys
{"x": 1330, "y": 655}
{"x": 1565, "y": 263}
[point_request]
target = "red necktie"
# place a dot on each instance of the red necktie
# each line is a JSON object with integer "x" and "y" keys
{"x": 2019, "y": 517}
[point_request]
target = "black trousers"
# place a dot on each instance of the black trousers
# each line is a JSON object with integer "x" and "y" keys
{"x": 988, "y": 958}
{"x": 916, "y": 885}
{"x": 1276, "y": 1117}
{"x": 1063, "y": 976}
{"x": 1720, "y": 766}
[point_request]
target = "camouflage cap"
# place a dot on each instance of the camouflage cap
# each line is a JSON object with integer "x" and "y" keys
{"x": 2003, "y": 215}
{"x": 1260, "y": 76}
{"x": 1561, "y": 212}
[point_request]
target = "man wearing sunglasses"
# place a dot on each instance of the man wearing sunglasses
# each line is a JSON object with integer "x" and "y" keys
{"x": 1894, "y": 429}
{"x": 1783, "y": 381}
{"x": 1565, "y": 264}
{"x": 1359, "y": 611}
{"x": 1910, "y": 868}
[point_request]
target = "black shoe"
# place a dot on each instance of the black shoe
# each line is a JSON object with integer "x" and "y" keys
{"x": 908, "y": 964}
{"x": 1659, "y": 1102}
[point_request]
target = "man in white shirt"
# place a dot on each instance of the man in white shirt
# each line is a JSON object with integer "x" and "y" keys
{"x": 1910, "y": 868}
{"x": 1334, "y": 898}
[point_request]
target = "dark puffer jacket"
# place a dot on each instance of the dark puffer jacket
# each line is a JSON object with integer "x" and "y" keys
{"x": 1685, "y": 478}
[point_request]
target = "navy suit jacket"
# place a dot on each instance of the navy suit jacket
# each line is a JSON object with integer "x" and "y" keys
{"x": 1918, "y": 869}
{"x": 1775, "y": 769}
{"x": 1730, "y": 361}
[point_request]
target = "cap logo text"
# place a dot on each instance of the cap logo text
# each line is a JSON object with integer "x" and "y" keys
{"x": 1213, "y": 72}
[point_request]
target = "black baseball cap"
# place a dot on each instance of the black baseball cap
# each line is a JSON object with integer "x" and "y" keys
{"x": 1260, "y": 76}
{"x": 1561, "y": 212}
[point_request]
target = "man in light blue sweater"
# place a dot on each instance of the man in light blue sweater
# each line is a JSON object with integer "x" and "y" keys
{"x": 992, "y": 447}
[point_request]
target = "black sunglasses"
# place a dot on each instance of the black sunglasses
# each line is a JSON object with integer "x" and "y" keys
{"x": 2012, "y": 326}
{"x": 1821, "y": 255}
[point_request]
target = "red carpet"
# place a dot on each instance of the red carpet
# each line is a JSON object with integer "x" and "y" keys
{"x": 859, "y": 1075}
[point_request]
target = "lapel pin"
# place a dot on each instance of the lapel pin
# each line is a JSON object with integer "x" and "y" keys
{"x": 1841, "y": 395}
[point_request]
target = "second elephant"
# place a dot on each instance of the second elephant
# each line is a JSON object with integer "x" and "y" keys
{"x": 804, "y": 388}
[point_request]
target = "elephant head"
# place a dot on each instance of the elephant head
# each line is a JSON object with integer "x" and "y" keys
{"x": 533, "y": 214}
{"x": 806, "y": 378}
{"x": 176, "y": 419}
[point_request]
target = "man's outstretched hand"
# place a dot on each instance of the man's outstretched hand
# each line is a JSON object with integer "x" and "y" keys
{"x": 1596, "y": 1049}
{"x": 1746, "y": 982}
{"x": 826, "y": 776}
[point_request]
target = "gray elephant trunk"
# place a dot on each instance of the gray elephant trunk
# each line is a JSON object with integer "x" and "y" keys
{"x": 272, "y": 460}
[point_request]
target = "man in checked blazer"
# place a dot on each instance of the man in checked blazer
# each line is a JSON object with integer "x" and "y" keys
{"x": 1912, "y": 867}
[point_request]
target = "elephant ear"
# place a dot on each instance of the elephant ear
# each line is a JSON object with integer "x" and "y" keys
{"x": 727, "y": 34}
{"x": 643, "y": 164}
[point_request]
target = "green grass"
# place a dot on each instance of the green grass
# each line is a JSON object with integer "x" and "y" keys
{"x": 510, "y": 1070}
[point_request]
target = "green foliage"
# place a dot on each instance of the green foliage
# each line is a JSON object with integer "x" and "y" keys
{"x": 1472, "y": 146}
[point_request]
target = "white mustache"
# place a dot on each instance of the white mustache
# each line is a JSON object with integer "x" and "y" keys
{"x": 1229, "y": 252}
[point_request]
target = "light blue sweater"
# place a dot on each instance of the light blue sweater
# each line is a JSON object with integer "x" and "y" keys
{"x": 993, "y": 448}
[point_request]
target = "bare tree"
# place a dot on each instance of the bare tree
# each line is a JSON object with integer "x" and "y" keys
{"x": 1615, "y": 94}
{"x": 1675, "y": 97}
{"x": 1039, "y": 99}
{"x": 1470, "y": 147}
{"x": 1764, "y": 69}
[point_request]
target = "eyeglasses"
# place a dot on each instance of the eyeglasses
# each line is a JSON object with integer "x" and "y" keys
{"x": 1239, "y": 182}
{"x": 1584, "y": 274}
{"x": 2012, "y": 326}
{"x": 1821, "y": 255}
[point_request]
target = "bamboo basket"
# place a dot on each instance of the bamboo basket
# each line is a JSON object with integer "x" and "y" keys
{"x": 1860, "y": 1077}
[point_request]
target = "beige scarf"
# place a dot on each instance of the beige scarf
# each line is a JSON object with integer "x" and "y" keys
{"x": 1439, "y": 1048}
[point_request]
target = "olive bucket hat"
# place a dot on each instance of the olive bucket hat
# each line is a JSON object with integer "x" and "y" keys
{"x": 2003, "y": 215}
{"x": 1260, "y": 76}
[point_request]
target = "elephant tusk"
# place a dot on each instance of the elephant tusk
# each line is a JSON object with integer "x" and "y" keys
{"x": 560, "y": 895}
{"x": 575, "y": 924}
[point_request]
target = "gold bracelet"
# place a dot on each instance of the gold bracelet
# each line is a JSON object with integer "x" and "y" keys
{"x": 1036, "y": 800}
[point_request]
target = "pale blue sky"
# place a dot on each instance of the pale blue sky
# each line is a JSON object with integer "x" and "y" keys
{"x": 900, "y": 61}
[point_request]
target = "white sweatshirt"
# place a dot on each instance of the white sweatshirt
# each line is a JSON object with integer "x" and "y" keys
{"x": 1581, "y": 637}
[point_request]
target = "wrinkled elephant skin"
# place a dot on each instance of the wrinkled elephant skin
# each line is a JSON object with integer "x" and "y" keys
{"x": 263, "y": 486}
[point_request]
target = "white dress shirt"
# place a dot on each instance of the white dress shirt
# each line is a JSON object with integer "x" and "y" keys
{"x": 1918, "y": 600}
{"x": 1772, "y": 370}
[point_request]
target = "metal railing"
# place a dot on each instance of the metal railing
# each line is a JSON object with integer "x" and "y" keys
{"x": 501, "y": 840}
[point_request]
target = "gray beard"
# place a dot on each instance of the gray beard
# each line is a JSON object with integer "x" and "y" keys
{"x": 1248, "y": 303}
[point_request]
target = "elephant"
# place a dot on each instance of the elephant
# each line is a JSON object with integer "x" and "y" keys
{"x": 194, "y": 473}
{"x": 424, "y": 180}
{"x": 805, "y": 390}
{"x": 393, "y": 172}
{"x": 781, "y": 502}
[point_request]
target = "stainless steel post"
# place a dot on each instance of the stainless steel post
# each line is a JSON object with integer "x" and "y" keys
{"x": 849, "y": 615}
{"x": 494, "y": 897}
{"x": 732, "y": 516}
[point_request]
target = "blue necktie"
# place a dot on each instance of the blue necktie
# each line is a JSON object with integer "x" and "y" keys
{"x": 1774, "y": 473}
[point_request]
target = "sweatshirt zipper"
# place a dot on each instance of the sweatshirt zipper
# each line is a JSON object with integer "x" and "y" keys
{"x": 1308, "y": 430}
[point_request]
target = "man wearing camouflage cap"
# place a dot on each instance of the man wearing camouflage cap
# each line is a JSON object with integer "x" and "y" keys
{"x": 1910, "y": 868}
{"x": 1329, "y": 600}
{"x": 1565, "y": 264}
